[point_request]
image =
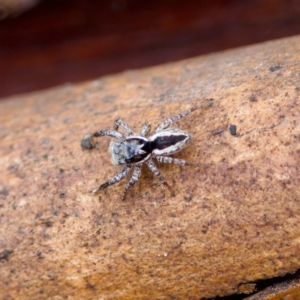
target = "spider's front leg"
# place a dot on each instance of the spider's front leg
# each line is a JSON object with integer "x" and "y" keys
{"x": 135, "y": 177}
{"x": 88, "y": 140}
{"x": 145, "y": 130}
{"x": 121, "y": 123}
{"x": 115, "y": 179}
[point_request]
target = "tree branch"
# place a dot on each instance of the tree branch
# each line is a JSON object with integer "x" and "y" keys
{"x": 233, "y": 218}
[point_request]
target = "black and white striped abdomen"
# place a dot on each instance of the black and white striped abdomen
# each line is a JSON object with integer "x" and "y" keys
{"x": 169, "y": 141}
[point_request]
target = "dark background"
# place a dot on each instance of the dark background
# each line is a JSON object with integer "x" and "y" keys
{"x": 60, "y": 41}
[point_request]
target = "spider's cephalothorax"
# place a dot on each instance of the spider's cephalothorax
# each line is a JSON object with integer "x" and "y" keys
{"x": 134, "y": 150}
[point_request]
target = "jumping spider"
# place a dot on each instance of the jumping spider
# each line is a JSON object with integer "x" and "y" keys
{"x": 133, "y": 150}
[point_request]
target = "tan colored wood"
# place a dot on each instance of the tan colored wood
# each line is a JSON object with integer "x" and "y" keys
{"x": 234, "y": 217}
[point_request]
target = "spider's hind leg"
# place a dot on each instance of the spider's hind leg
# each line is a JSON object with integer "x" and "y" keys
{"x": 174, "y": 118}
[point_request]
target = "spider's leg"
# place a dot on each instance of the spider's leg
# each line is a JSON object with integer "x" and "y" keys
{"x": 171, "y": 160}
{"x": 145, "y": 130}
{"x": 115, "y": 179}
{"x": 108, "y": 132}
{"x": 119, "y": 122}
{"x": 155, "y": 171}
{"x": 88, "y": 141}
{"x": 135, "y": 177}
{"x": 172, "y": 119}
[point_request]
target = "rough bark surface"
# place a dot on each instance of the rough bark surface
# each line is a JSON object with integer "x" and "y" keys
{"x": 233, "y": 219}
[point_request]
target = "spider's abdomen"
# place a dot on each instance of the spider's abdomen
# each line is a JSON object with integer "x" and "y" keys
{"x": 169, "y": 141}
{"x": 133, "y": 150}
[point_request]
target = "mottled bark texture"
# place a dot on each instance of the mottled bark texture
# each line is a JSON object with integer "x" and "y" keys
{"x": 233, "y": 217}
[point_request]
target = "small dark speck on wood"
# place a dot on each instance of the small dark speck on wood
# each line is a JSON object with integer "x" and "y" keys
{"x": 274, "y": 68}
{"x": 62, "y": 195}
{"x": 188, "y": 197}
{"x": 232, "y": 129}
{"x": 5, "y": 254}
{"x": 4, "y": 193}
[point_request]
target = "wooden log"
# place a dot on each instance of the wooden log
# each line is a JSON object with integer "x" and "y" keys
{"x": 232, "y": 220}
